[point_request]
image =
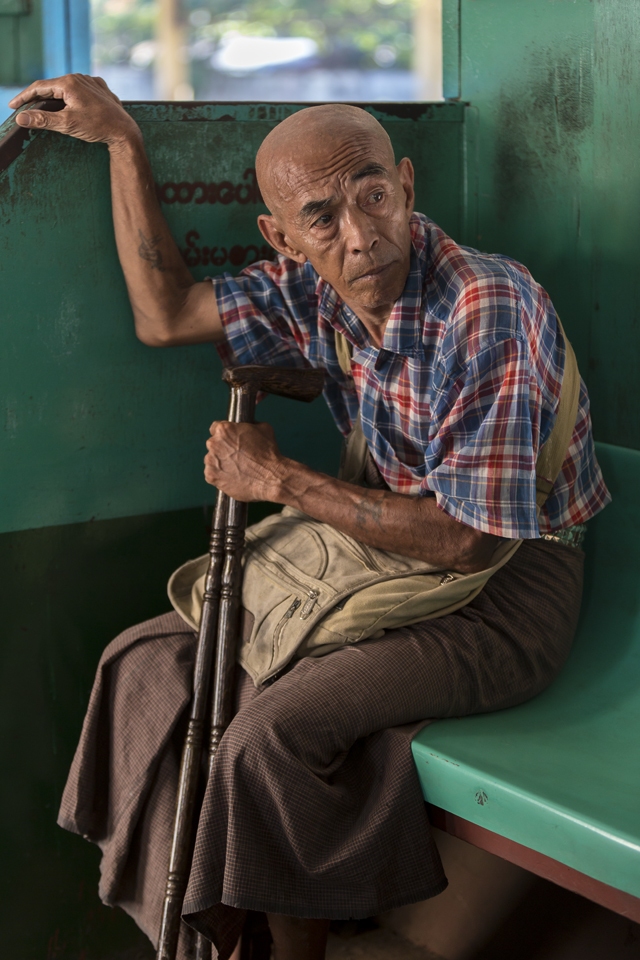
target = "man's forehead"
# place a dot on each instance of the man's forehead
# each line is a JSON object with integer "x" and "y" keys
{"x": 317, "y": 147}
{"x": 329, "y": 170}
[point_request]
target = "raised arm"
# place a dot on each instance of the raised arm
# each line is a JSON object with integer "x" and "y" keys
{"x": 169, "y": 307}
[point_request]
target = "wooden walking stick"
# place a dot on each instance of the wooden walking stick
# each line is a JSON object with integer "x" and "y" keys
{"x": 217, "y": 636}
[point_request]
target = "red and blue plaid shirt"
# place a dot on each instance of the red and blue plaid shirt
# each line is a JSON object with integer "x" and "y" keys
{"x": 460, "y": 396}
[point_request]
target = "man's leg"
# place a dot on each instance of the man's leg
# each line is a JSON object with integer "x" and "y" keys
{"x": 314, "y": 809}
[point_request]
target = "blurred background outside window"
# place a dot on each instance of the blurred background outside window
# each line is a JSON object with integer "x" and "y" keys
{"x": 288, "y": 50}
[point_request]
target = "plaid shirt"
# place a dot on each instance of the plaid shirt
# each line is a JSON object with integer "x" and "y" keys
{"x": 462, "y": 393}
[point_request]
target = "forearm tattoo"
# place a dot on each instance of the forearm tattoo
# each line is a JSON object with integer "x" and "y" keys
{"x": 368, "y": 514}
{"x": 148, "y": 250}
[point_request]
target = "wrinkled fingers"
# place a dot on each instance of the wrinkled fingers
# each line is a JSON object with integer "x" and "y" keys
{"x": 91, "y": 111}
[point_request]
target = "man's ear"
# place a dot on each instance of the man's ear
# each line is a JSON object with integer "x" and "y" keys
{"x": 407, "y": 179}
{"x": 272, "y": 233}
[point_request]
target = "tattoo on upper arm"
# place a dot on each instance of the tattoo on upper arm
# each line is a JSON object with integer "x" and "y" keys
{"x": 148, "y": 250}
{"x": 368, "y": 512}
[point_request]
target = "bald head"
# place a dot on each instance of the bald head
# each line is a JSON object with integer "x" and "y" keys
{"x": 338, "y": 200}
{"x": 312, "y": 143}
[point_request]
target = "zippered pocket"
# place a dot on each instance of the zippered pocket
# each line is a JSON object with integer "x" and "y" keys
{"x": 312, "y": 598}
{"x": 295, "y": 604}
{"x": 290, "y": 612}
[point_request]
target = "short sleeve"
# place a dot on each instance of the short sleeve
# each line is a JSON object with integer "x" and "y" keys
{"x": 267, "y": 313}
{"x": 481, "y": 462}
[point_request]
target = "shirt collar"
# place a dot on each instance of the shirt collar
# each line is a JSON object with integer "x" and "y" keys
{"x": 403, "y": 332}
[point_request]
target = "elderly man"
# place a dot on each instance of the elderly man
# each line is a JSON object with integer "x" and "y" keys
{"x": 313, "y": 809}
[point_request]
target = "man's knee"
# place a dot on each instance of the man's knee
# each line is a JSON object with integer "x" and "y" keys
{"x": 276, "y": 726}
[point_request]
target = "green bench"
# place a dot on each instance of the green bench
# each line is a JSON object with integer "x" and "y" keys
{"x": 554, "y": 785}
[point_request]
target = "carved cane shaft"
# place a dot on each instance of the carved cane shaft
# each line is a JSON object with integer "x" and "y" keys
{"x": 228, "y": 616}
{"x": 230, "y": 597}
{"x": 181, "y": 845}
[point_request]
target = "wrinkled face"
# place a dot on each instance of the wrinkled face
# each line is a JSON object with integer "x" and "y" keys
{"x": 343, "y": 204}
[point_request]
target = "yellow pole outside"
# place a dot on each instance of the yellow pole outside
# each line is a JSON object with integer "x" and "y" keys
{"x": 172, "y": 61}
{"x": 427, "y": 47}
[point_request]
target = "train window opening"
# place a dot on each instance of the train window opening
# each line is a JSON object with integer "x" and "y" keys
{"x": 282, "y": 50}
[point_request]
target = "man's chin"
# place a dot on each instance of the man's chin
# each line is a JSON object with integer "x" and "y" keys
{"x": 377, "y": 290}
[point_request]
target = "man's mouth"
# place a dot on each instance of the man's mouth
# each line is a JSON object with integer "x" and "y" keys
{"x": 371, "y": 273}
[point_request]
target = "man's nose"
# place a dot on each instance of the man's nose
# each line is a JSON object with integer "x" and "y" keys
{"x": 361, "y": 235}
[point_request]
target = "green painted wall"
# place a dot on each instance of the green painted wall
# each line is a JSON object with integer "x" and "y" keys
{"x": 554, "y": 87}
{"x": 101, "y": 446}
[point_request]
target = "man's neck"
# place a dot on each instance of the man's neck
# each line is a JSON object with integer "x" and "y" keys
{"x": 375, "y": 330}
{"x": 374, "y": 320}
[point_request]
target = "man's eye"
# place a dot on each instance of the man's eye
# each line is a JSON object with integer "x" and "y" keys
{"x": 322, "y": 221}
{"x": 377, "y": 197}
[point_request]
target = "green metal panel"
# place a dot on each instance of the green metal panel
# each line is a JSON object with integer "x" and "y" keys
{"x": 555, "y": 89}
{"x": 561, "y": 774}
{"x": 615, "y": 321}
{"x": 97, "y": 425}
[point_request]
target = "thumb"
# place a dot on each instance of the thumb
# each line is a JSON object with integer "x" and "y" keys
{"x": 49, "y": 118}
{"x": 34, "y": 118}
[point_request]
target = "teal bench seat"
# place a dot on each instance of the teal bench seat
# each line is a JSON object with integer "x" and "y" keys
{"x": 554, "y": 784}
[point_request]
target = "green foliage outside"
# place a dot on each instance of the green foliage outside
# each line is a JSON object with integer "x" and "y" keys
{"x": 350, "y": 33}
{"x": 117, "y": 26}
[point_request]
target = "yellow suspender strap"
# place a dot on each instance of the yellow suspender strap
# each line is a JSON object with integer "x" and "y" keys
{"x": 553, "y": 454}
